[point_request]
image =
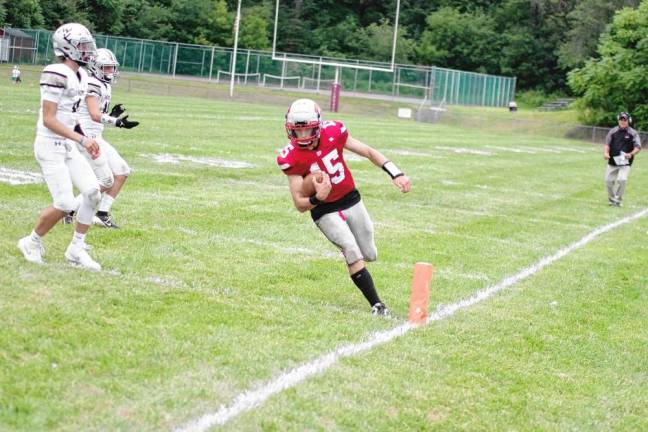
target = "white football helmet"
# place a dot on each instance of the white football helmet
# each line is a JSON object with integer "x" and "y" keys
{"x": 104, "y": 58}
{"x": 303, "y": 122}
{"x": 75, "y": 42}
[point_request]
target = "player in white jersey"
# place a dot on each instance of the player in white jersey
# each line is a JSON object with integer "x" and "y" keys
{"x": 111, "y": 170}
{"x": 62, "y": 86}
{"x": 15, "y": 75}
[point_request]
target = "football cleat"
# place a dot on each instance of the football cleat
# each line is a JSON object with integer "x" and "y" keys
{"x": 32, "y": 251}
{"x": 379, "y": 309}
{"x": 68, "y": 219}
{"x": 76, "y": 254}
{"x": 614, "y": 202}
{"x": 104, "y": 220}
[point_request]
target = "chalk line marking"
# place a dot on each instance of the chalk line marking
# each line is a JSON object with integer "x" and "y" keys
{"x": 17, "y": 177}
{"x": 252, "y": 398}
{"x": 467, "y": 151}
{"x": 214, "y": 162}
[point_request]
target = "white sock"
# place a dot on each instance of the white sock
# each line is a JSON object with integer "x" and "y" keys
{"x": 106, "y": 203}
{"x": 35, "y": 237}
{"x": 78, "y": 238}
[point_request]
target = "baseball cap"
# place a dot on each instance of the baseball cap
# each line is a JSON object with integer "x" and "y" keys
{"x": 623, "y": 115}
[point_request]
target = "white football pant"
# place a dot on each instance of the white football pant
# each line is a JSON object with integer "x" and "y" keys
{"x": 351, "y": 230}
{"x": 108, "y": 164}
{"x": 63, "y": 167}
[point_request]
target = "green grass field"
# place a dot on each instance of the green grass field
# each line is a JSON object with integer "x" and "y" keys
{"x": 215, "y": 284}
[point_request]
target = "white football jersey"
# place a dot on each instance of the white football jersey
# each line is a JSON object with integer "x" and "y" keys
{"x": 102, "y": 91}
{"x": 59, "y": 84}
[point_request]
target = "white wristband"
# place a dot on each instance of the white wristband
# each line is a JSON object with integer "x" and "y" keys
{"x": 392, "y": 169}
{"x": 106, "y": 119}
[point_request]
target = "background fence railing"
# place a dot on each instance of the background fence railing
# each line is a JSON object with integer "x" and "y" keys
{"x": 597, "y": 134}
{"x": 423, "y": 83}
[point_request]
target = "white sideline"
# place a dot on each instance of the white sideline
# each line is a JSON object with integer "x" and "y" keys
{"x": 255, "y": 397}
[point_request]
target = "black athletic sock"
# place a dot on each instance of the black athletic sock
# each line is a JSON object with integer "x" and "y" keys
{"x": 364, "y": 282}
{"x": 102, "y": 213}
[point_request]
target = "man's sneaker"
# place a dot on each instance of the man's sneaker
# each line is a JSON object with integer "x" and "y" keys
{"x": 77, "y": 255}
{"x": 32, "y": 251}
{"x": 68, "y": 219}
{"x": 103, "y": 219}
{"x": 379, "y": 309}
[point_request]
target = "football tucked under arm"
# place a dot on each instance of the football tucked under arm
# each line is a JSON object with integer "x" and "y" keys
{"x": 308, "y": 187}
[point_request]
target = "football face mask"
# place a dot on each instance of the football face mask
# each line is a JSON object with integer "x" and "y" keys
{"x": 104, "y": 66}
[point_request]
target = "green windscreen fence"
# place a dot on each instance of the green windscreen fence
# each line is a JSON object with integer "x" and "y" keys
{"x": 429, "y": 84}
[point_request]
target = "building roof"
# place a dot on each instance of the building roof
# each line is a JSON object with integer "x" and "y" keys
{"x": 14, "y": 32}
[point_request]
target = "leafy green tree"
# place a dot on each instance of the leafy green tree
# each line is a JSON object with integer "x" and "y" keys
{"x": 58, "y": 12}
{"x": 106, "y": 15}
{"x": 23, "y": 14}
{"x": 467, "y": 41}
{"x": 375, "y": 42}
{"x": 587, "y": 21}
{"x": 293, "y": 29}
{"x": 334, "y": 40}
{"x": 618, "y": 80}
{"x": 186, "y": 17}
{"x": 3, "y": 12}
{"x": 254, "y": 27}
{"x": 142, "y": 20}
{"x": 532, "y": 31}
{"x": 218, "y": 28}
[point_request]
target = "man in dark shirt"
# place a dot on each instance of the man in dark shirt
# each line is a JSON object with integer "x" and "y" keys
{"x": 621, "y": 144}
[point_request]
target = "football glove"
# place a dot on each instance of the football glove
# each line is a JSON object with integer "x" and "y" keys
{"x": 125, "y": 123}
{"x": 117, "y": 110}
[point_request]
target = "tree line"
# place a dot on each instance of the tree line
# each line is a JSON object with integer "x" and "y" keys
{"x": 549, "y": 45}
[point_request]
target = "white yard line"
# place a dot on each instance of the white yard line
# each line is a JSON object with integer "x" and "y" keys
{"x": 511, "y": 149}
{"x": 17, "y": 177}
{"x": 214, "y": 162}
{"x": 466, "y": 151}
{"x": 253, "y": 398}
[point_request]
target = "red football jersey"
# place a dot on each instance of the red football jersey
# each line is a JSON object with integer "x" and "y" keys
{"x": 328, "y": 157}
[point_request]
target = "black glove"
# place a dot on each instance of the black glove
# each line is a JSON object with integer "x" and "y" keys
{"x": 124, "y": 123}
{"x": 117, "y": 110}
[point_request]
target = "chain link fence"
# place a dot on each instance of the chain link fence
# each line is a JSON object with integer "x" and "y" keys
{"x": 596, "y": 134}
{"x": 427, "y": 84}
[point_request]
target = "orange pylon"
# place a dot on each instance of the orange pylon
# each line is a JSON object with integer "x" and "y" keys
{"x": 418, "y": 310}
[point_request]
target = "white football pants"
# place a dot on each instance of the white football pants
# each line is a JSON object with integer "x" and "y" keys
{"x": 351, "y": 230}
{"x": 110, "y": 162}
{"x": 63, "y": 167}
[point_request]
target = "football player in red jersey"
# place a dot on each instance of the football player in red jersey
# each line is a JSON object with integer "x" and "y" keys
{"x": 336, "y": 207}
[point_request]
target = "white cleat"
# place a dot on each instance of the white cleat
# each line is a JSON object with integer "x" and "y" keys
{"x": 78, "y": 256}
{"x": 32, "y": 251}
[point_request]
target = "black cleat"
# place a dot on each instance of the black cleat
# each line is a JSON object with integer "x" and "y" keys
{"x": 105, "y": 220}
{"x": 379, "y": 309}
{"x": 68, "y": 219}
